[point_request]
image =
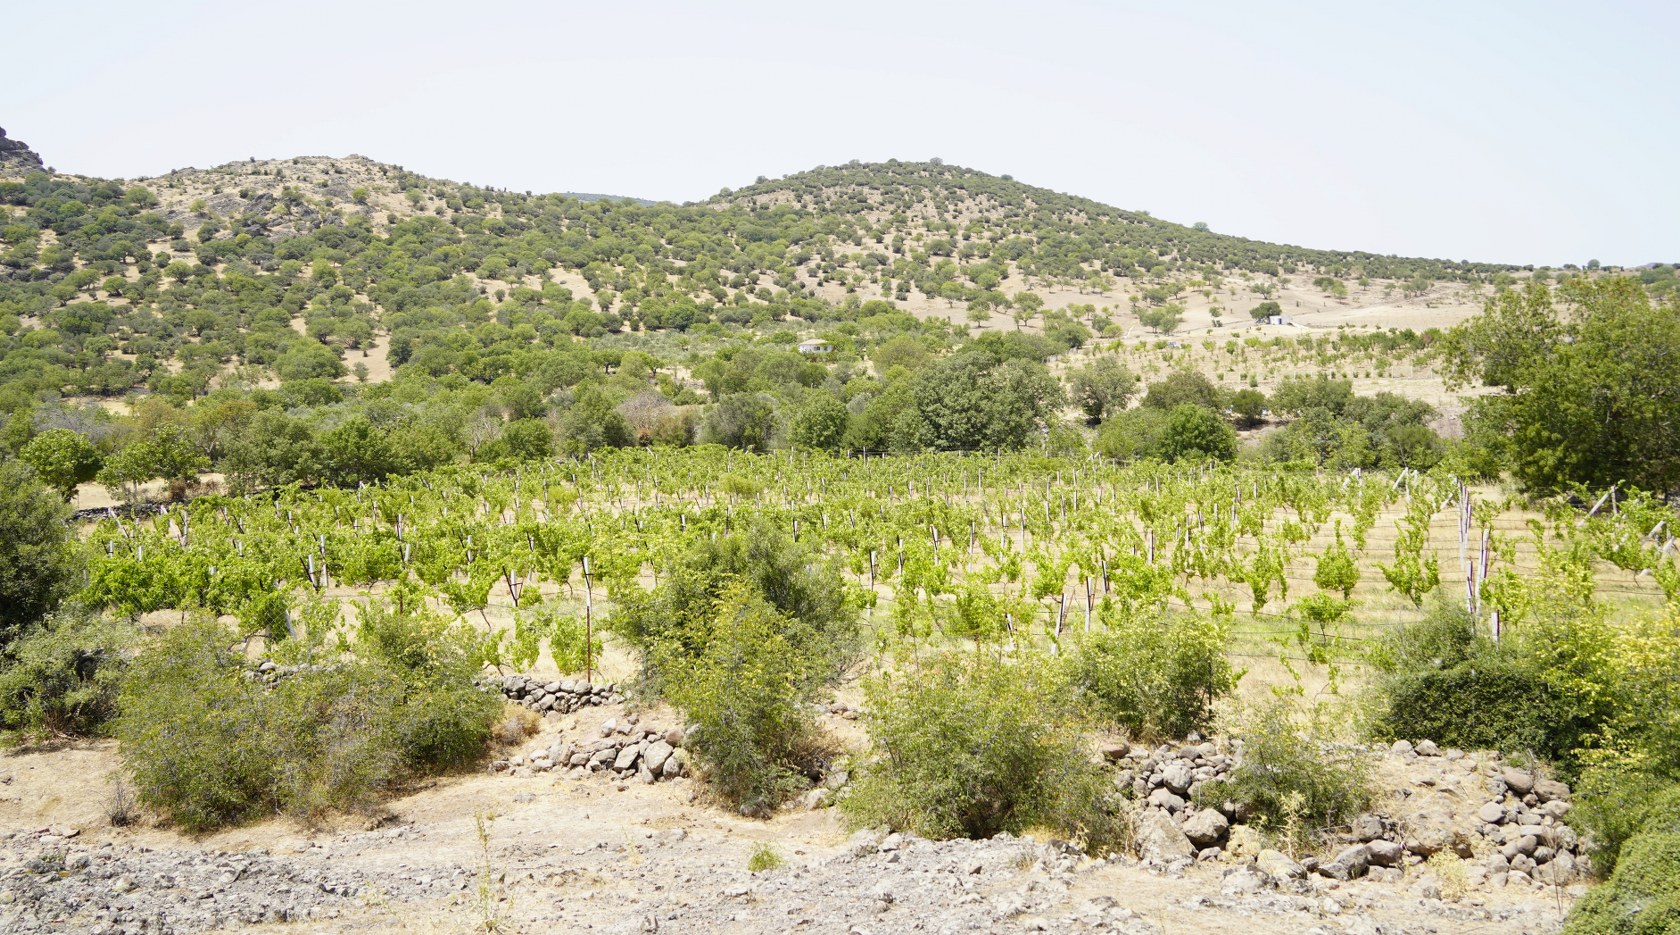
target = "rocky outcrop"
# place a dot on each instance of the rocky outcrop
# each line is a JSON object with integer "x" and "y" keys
{"x": 16, "y": 158}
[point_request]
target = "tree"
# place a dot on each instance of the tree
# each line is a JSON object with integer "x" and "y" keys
{"x": 820, "y": 423}
{"x": 971, "y": 401}
{"x": 1249, "y": 406}
{"x": 167, "y": 453}
{"x": 1164, "y": 320}
{"x": 62, "y": 459}
{"x": 356, "y": 452}
{"x": 1102, "y": 387}
{"x": 1027, "y": 304}
{"x": 742, "y": 420}
{"x": 1194, "y": 433}
{"x": 37, "y": 559}
{"x": 1265, "y": 310}
{"x": 1184, "y": 386}
{"x": 1588, "y": 395}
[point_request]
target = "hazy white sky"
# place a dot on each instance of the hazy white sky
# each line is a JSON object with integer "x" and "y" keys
{"x": 1522, "y": 132}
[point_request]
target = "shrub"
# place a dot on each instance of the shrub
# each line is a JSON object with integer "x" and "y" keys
{"x": 756, "y": 744}
{"x": 764, "y": 857}
{"x": 968, "y": 746}
{"x": 37, "y": 563}
{"x": 1157, "y": 678}
{"x": 1612, "y": 808}
{"x": 62, "y": 678}
{"x": 1545, "y": 689}
{"x": 673, "y": 626}
{"x": 208, "y": 745}
{"x": 1297, "y": 787}
{"x": 1642, "y": 895}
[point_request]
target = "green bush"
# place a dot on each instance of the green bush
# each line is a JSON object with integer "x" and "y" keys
{"x": 1612, "y": 807}
{"x": 63, "y": 677}
{"x": 208, "y": 745}
{"x": 1298, "y": 787}
{"x": 1544, "y": 689}
{"x": 673, "y": 626}
{"x": 967, "y": 746}
{"x": 757, "y": 743}
{"x": 1642, "y": 897}
{"x": 37, "y": 561}
{"x": 1157, "y": 678}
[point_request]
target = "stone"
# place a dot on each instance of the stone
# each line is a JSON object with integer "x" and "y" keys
{"x": 1427, "y": 748}
{"x": 1519, "y": 781}
{"x": 1351, "y": 864}
{"x": 1177, "y": 776}
{"x": 1242, "y": 843}
{"x": 656, "y": 754}
{"x": 1493, "y": 813}
{"x": 1206, "y": 827}
{"x": 1384, "y": 874}
{"x": 1401, "y": 747}
{"x": 1162, "y": 798}
{"x": 1160, "y": 841}
{"x": 1523, "y": 846}
{"x": 1550, "y": 790}
{"x": 1243, "y": 880}
{"x": 1115, "y": 752}
{"x": 675, "y": 737}
{"x": 673, "y": 765}
{"x": 1385, "y": 853}
{"x": 626, "y": 758}
{"x": 1367, "y": 827}
{"x": 1278, "y": 866}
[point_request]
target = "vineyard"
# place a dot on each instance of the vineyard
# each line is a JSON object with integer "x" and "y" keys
{"x": 935, "y": 549}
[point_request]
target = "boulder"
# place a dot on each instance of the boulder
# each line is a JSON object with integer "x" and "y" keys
{"x": 1351, "y": 864}
{"x": 1367, "y": 827}
{"x": 1178, "y": 776}
{"x": 1278, "y": 866}
{"x": 627, "y": 757}
{"x": 1427, "y": 748}
{"x": 1401, "y": 747}
{"x": 1493, "y": 813}
{"x": 1206, "y": 827}
{"x": 1519, "y": 781}
{"x": 1550, "y": 790}
{"x": 1385, "y": 853}
{"x": 1162, "y": 798}
{"x": 1160, "y": 841}
{"x": 654, "y": 757}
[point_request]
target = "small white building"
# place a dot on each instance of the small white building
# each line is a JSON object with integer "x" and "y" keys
{"x": 1277, "y": 320}
{"x": 815, "y": 346}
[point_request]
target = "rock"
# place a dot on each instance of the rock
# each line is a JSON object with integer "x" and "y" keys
{"x": 1243, "y": 880}
{"x": 1518, "y": 781}
{"x": 1401, "y": 747}
{"x": 1427, "y": 748}
{"x": 675, "y": 737}
{"x": 1385, "y": 853}
{"x": 654, "y": 757}
{"x": 1160, "y": 841}
{"x": 1115, "y": 752}
{"x": 1523, "y": 846}
{"x": 1178, "y": 776}
{"x": 1384, "y": 875}
{"x": 1367, "y": 827}
{"x": 1242, "y": 843}
{"x": 815, "y": 799}
{"x": 1162, "y": 798}
{"x": 626, "y": 758}
{"x": 1351, "y": 864}
{"x": 673, "y": 765}
{"x": 1278, "y": 866}
{"x": 1493, "y": 813}
{"x": 1206, "y": 827}
{"x": 1550, "y": 790}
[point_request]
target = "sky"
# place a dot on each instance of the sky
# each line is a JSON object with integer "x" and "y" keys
{"x": 1529, "y": 132}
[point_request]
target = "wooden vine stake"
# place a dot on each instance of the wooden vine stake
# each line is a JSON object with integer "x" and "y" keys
{"x": 588, "y": 623}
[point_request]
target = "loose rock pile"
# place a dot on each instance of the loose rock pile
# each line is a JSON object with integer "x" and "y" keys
{"x": 561, "y": 695}
{"x": 625, "y": 749}
{"x": 1519, "y": 832}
